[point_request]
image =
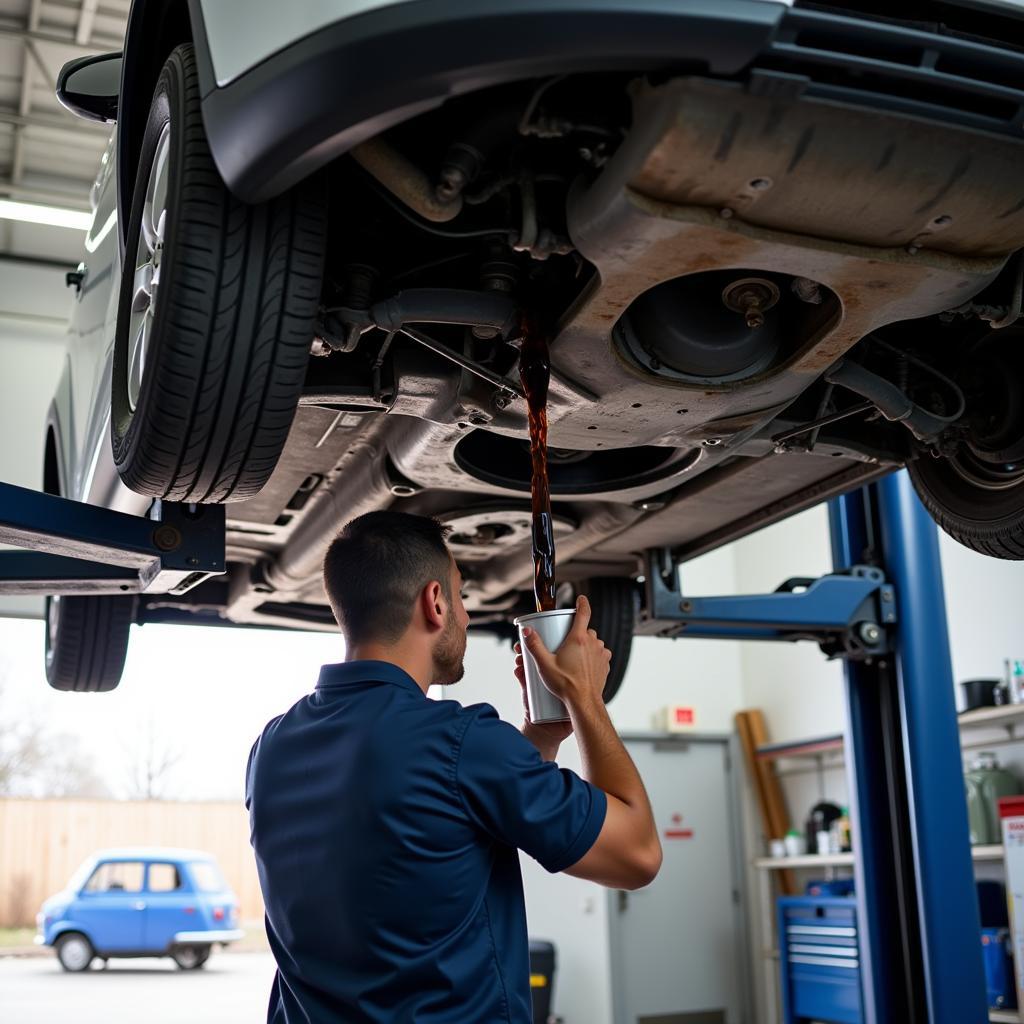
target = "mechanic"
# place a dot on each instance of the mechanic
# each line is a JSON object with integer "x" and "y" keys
{"x": 386, "y": 825}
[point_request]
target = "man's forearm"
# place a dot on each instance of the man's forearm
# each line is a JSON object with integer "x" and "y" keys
{"x": 605, "y": 761}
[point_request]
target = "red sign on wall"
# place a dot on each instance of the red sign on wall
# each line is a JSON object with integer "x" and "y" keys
{"x": 677, "y": 831}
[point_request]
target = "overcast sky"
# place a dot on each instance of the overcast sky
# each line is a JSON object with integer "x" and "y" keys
{"x": 206, "y": 692}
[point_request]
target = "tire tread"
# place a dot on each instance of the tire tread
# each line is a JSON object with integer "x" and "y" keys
{"x": 235, "y": 319}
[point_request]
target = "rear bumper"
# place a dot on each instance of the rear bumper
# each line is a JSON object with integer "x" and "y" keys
{"x": 314, "y": 100}
{"x": 319, "y": 96}
{"x": 202, "y": 938}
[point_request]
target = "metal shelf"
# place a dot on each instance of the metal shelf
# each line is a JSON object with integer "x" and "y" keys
{"x": 800, "y": 748}
{"x": 1006, "y": 714}
{"x": 814, "y": 860}
{"x": 808, "y": 860}
{"x": 993, "y": 852}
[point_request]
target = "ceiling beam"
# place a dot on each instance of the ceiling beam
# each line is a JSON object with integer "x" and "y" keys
{"x": 30, "y": 62}
{"x": 8, "y": 31}
{"x": 86, "y": 20}
{"x": 47, "y": 196}
{"x": 72, "y": 126}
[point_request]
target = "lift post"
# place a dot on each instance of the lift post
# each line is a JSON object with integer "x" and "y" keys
{"x": 917, "y": 904}
{"x": 882, "y": 611}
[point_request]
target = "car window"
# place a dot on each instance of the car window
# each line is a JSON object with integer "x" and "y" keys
{"x": 207, "y": 876}
{"x": 116, "y": 876}
{"x": 164, "y": 878}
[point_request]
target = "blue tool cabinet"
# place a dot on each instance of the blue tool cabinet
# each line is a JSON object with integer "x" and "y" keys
{"x": 819, "y": 962}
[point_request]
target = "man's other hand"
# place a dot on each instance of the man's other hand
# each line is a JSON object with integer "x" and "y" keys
{"x": 547, "y": 737}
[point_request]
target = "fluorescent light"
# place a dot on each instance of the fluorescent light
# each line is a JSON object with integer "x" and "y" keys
{"x": 33, "y": 213}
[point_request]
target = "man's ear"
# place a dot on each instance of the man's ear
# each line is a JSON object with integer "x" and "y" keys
{"x": 434, "y": 605}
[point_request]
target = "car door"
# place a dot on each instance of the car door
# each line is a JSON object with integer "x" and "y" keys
{"x": 110, "y": 906}
{"x": 91, "y": 330}
{"x": 170, "y": 905}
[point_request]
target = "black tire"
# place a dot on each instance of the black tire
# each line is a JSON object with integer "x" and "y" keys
{"x": 978, "y": 504}
{"x": 230, "y": 321}
{"x": 87, "y": 641}
{"x": 74, "y": 952}
{"x": 614, "y": 601}
{"x": 190, "y": 958}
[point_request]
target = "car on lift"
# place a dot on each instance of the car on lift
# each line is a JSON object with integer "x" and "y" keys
{"x": 776, "y": 251}
{"x": 146, "y": 901}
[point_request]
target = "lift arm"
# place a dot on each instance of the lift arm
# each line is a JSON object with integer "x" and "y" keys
{"x": 75, "y": 548}
{"x": 845, "y": 613}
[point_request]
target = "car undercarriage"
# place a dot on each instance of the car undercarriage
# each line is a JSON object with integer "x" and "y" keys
{"x": 763, "y": 283}
{"x": 756, "y": 299}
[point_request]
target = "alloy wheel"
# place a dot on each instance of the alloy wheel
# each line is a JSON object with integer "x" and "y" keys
{"x": 148, "y": 254}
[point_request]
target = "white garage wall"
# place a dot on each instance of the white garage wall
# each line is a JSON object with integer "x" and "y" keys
{"x": 799, "y": 691}
{"x": 34, "y": 304}
{"x": 985, "y": 610}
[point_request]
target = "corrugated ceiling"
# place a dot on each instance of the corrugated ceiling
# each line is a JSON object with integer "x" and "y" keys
{"x": 46, "y": 154}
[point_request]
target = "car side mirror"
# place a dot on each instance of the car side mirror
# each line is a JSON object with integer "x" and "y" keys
{"x": 90, "y": 86}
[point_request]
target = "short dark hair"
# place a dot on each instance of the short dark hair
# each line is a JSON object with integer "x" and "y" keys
{"x": 377, "y": 566}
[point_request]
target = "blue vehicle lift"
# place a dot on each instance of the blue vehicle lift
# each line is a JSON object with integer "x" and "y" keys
{"x": 881, "y": 610}
{"x": 74, "y": 548}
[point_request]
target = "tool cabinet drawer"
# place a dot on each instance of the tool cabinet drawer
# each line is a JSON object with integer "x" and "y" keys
{"x": 819, "y": 960}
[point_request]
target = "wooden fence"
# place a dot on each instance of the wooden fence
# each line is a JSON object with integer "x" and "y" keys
{"x": 43, "y": 841}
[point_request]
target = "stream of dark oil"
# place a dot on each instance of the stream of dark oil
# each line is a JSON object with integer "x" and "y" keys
{"x": 535, "y": 372}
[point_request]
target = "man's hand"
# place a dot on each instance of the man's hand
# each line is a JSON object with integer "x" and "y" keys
{"x": 577, "y": 671}
{"x": 545, "y": 736}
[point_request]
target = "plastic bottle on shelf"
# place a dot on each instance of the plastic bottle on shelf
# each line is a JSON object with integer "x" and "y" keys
{"x": 984, "y": 784}
{"x": 840, "y": 841}
{"x": 796, "y": 843}
{"x": 1016, "y": 680}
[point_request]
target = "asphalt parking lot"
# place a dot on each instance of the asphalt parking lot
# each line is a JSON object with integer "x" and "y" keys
{"x": 231, "y": 989}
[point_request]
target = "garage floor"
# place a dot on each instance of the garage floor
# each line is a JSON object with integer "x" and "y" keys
{"x": 231, "y": 989}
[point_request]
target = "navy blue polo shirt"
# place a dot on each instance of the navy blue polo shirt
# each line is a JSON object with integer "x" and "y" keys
{"x": 386, "y": 828}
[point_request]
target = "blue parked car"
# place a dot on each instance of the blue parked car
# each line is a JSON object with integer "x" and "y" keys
{"x": 149, "y": 901}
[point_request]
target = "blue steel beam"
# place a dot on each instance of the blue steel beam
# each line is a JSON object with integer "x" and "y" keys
{"x": 885, "y": 957}
{"x": 946, "y": 897}
{"x": 847, "y": 613}
{"x": 173, "y": 550}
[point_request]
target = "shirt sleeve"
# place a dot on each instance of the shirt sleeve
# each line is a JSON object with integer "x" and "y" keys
{"x": 511, "y": 793}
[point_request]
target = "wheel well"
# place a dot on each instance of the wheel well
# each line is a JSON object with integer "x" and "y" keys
{"x": 155, "y": 27}
{"x": 51, "y": 465}
{"x": 71, "y": 931}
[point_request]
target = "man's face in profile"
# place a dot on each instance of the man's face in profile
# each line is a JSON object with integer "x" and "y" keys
{"x": 450, "y": 649}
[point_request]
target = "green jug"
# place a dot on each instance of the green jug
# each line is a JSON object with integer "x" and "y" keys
{"x": 985, "y": 783}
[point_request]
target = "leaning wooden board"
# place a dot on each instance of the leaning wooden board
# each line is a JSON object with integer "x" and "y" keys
{"x": 753, "y": 733}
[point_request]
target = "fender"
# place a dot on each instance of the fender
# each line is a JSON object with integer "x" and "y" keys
{"x": 58, "y": 443}
{"x": 155, "y": 27}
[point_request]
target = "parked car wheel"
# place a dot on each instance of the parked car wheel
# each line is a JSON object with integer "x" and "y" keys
{"x": 190, "y": 958}
{"x": 613, "y": 602}
{"x": 977, "y": 503}
{"x": 87, "y": 641}
{"x": 75, "y": 952}
{"x": 215, "y": 314}
{"x": 977, "y": 494}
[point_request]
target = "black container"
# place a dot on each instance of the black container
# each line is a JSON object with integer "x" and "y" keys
{"x": 980, "y": 693}
{"x": 542, "y": 979}
{"x": 820, "y": 820}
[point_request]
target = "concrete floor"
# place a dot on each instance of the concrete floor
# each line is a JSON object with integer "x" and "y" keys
{"x": 231, "y": 989}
